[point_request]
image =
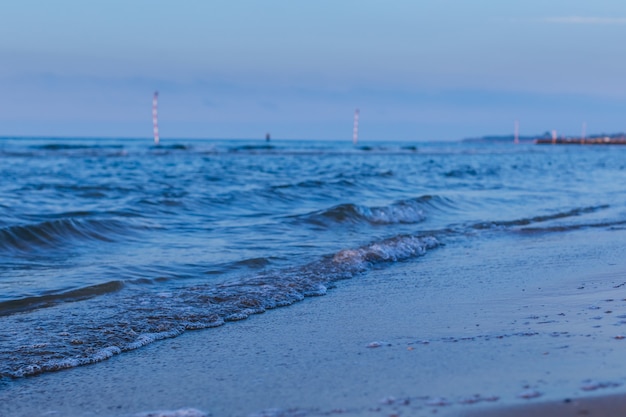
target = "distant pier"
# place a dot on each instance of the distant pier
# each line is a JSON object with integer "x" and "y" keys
{"x": 593, "y": 140}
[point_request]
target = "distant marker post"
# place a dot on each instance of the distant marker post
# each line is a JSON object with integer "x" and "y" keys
{"x": 155, "y": 121}
{"x": 516, "y": 139}
{"x": 355, "y": 129}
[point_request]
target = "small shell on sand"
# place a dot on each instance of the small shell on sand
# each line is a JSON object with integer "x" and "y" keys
{"x": 529, "y": 393}
{"x": 388, "y": 400}
{"x": 395, "y": 401}
{"x": 476, "y": 398}
{"x": 377, "y": 344}
{"x": 590, "y": 385}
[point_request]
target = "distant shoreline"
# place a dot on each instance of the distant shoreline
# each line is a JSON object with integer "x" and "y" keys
{"x": 548, "y": 139}
{"x": 601, "y": 140}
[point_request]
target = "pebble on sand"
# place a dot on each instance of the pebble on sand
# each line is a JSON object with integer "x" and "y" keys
{"x": 529, "y": 393}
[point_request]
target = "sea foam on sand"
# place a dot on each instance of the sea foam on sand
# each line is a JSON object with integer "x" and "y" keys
{"x": 183, "y": 412}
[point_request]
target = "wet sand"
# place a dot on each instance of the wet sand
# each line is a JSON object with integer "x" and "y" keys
{"x": 603, "y": 406}
{"x": 476, "y": 327}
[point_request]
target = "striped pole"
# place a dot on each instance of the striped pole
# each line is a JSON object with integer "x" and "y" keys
{"x": 155, "y": 122}
{"x": 355, "y": 129}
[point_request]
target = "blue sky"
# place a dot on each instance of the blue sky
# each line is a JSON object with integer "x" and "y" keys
{"x": 417, "y": 70}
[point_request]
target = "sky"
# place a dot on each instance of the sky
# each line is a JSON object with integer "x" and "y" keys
{"x": 416, "y": 69}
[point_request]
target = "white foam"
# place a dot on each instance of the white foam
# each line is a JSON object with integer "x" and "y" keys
{"x": 183, "y": 412}
{"x": 394, "y": 249}
{"x": 57, "y": 365}
{"x": 318, "y": 290}
{"x": 401, "y": 213}
{"x": 147, "y": 338}
{"x": 236, "y": 316}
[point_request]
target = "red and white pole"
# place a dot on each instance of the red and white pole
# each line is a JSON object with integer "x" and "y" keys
{"x": 355, "y": 129}
{"x": 155, "y": 122}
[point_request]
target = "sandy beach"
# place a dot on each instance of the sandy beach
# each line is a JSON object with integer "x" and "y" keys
{"x": 495, "y": 328}
{"x": 312, "y": 209}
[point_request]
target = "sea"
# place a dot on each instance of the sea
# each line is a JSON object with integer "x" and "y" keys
{"x": 107, "y": 245}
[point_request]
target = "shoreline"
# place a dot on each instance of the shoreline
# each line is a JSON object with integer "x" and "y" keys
{"x": 467, "y": 328}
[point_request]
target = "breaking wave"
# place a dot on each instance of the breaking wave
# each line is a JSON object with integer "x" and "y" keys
{"x": 402, "y": 212}
{"x": 146, "y": 317}
{"x": 540, "y": 219}
{"x": 57, "y": 233}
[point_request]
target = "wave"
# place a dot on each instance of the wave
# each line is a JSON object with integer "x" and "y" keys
{"x": 17, "y": 153}
{"x": 175, "y": 147}
{"x": 253, "y": 263}
{"x": 401, "y": 212}
{"x": 616, "y": 224}
{"x": 248, "y": 148}
{"x": 31, "y": 303}
{"x": 539, "y": 219}
{"x": 133, "y": 319}
{"x": 466, "y": 171}
{"x": 316, "y": 184}
{"x": 82, "y": 149}
{"x": 258, "y": 263}
{"x": 57, "y": 233}
{"x": 67, "y": 146}
{"x": 388, "y": 149}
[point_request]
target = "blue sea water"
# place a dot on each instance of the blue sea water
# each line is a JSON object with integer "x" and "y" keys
{"x": 107, "y": 245}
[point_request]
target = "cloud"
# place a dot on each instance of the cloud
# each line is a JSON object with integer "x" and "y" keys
{"x": 586, "y": 20}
